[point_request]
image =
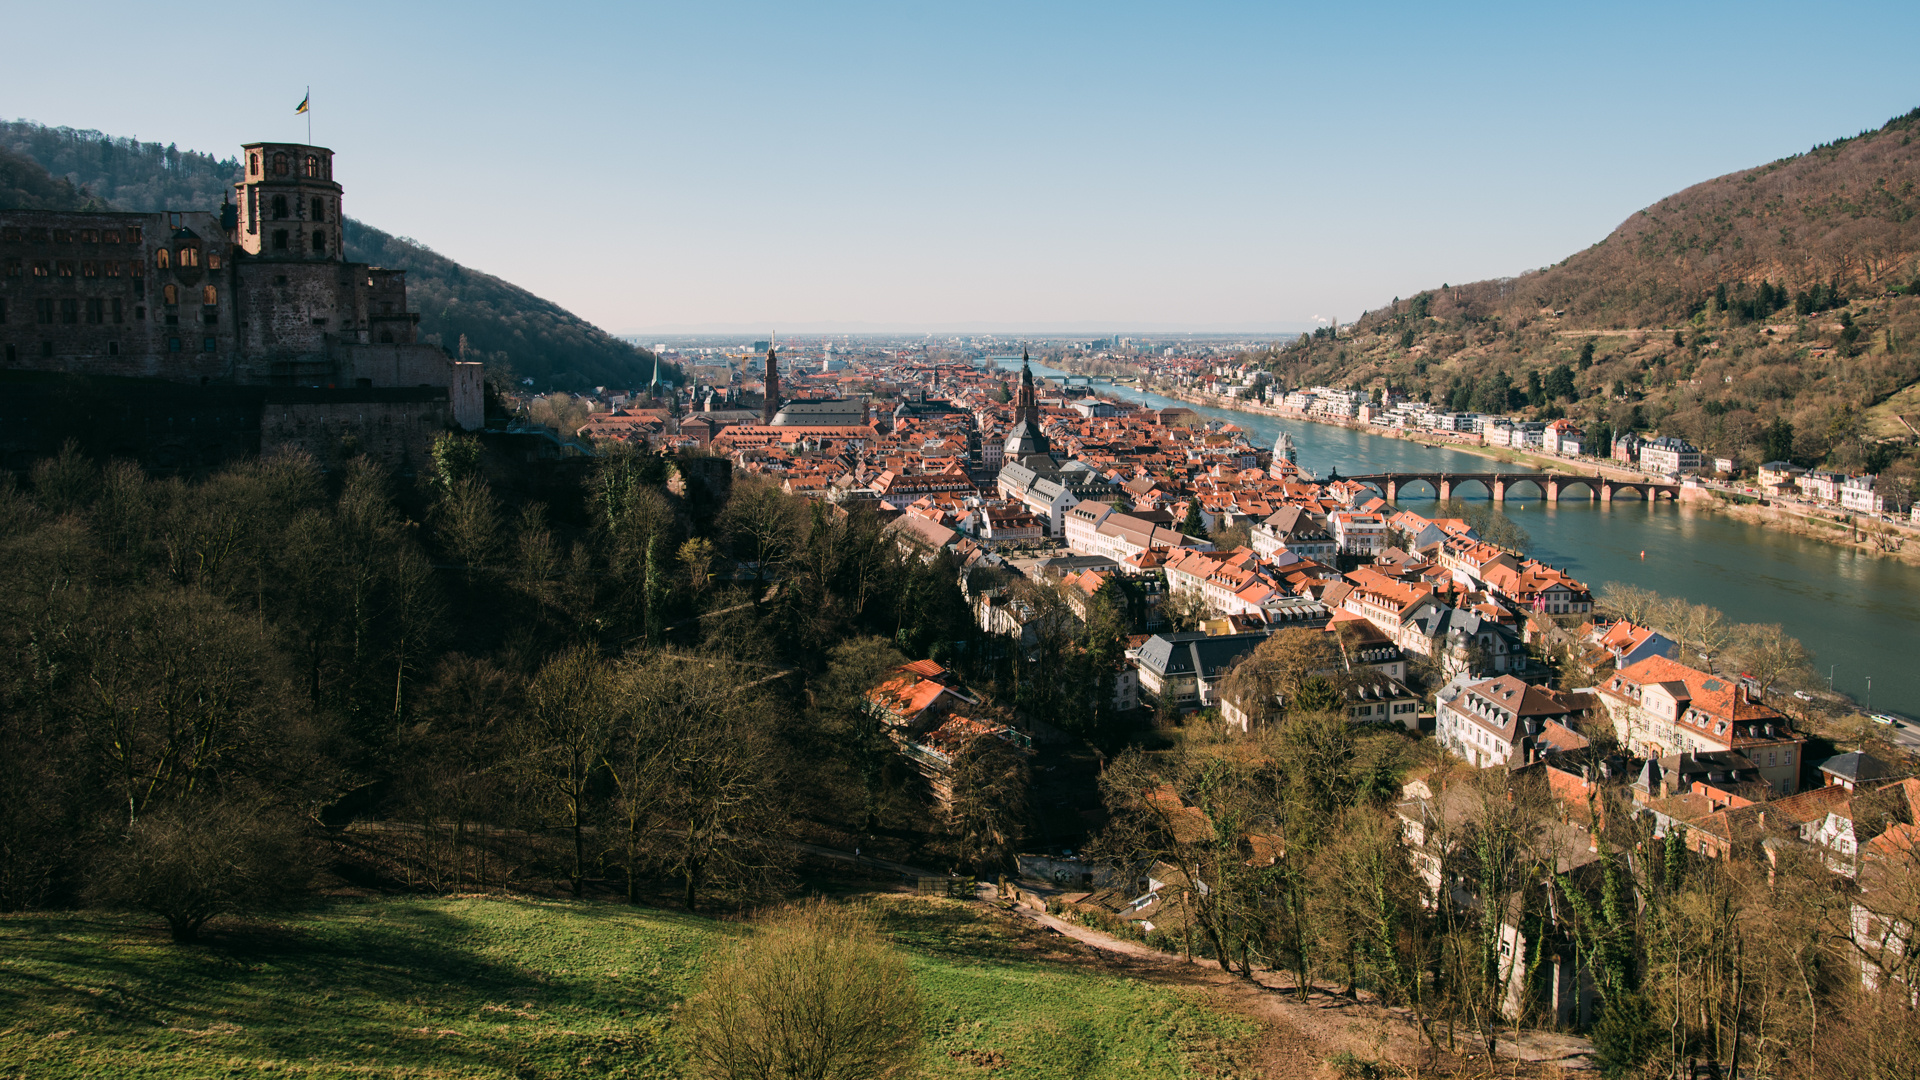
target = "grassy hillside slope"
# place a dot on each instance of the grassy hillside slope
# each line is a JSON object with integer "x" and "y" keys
{"x": 528, "y": 989}
{"x": 510, "y": 329}
{"x": 1767, "y": 313}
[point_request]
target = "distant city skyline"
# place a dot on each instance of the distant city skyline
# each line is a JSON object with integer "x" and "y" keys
{"x": 995, "y": 168}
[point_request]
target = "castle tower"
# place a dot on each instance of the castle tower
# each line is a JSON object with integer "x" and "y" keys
{"x": 289, "y": 206}
{"x": 773, "y": 388}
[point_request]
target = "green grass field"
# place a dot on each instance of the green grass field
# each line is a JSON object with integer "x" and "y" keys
{"x": 494, "y": 987}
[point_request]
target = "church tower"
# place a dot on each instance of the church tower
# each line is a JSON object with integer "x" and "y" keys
{"x": 773, "y": 387}
{"x": 289, "y": 204}
{"x": 1026, "y": 440}
{"x": 1026, "y": 405}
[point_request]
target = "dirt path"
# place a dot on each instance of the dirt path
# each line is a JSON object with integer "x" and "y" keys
{"x": 1299, "y": 1037}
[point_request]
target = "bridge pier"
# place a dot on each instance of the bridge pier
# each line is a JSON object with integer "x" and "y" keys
{"x": 1445, "y": 488}
{"x": 1606, "y": 493}
{"x": 1499, "y": 491}
{"x": 1553, "y": 491}
{"x": 1393, "y": 491}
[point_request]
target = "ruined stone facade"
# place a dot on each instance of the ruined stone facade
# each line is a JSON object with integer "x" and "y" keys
{"x": 258, "y": 294}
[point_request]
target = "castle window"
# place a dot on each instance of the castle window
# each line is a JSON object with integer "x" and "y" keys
{"x": 279, "y": 164}
{"x": 119, "y": 316}
{"x": 313, "y": 166}
{"x": 12, "y": 357}
{"x": 319, "y": 241}
{"x": 87, "y": 269}
{"x": 280, "y": 240}
{"x": 319, "y": 210}
{"x": 70, "y": 311}
{"x": 88, "y": 236}
{"x": 173, "y": 344}
{"x": 15, "y": 267}
{"x": 170, "y": 295}
{"x": 139, "y": 313}
{"x": 206, "y": 345}
{"x": 253, "y": 210}
{"x": 63, "y": 236}
{"x": 137, "y": 268}
{"x": 113, "y": 267}
{"x": 279, "y": 207}
{"x": 66, "y": 268}
{"x": 213, "y": 260}
{"x": 173, "y": 219}
{"x": 189, "y": 256}
{"x": 162, "y": 259}
{"x": 113, "y": 348}
{"x": 386, "y": 337}
{"x": 46, "y": 350}
{"x": 209, "y": 295}
{"x": 40, "y": 268}
{"x": 253, "y": 163}
{"x": 133, "y": 234}
{"x": 96, "y": 311}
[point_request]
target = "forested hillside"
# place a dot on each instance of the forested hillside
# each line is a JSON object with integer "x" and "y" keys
{"x": 24, "y": 185}
{"x": 516, "y": 333}
{"x": 1768, "y": 313}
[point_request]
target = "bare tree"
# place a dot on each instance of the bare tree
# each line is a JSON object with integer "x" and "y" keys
{"x": 190, "y": 863}
{"x": 559, "y": 741}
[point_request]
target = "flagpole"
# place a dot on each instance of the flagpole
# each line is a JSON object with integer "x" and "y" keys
{"x": 309, "y": 101}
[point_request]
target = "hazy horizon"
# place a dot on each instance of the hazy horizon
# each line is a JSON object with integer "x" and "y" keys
{"x": 1235, "y": 167}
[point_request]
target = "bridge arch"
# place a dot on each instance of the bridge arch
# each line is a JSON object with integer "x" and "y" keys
{"x": 1508, "y": 487}
{"x": 1461, "y": 484}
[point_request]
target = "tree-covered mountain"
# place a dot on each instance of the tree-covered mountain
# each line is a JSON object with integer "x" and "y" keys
{"x": 516, "y": 333}
{"x": 1763, "y": 314}
{"x": 24, "y": 185}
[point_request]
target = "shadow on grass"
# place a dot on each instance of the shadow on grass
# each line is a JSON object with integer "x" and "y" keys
{"x": 513, "y": 986}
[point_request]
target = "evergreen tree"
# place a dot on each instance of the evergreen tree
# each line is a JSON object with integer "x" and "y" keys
{"x": 1192, "y": 525}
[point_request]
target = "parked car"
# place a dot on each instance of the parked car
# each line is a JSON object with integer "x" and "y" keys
{"x": 1803, "y": 695}
{"x": 1883, "y": 718}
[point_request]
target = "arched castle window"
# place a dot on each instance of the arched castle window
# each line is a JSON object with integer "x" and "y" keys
{"x": 189, "y": 257}
{"x": 163, "y": 258}
{"x": 209, "y": 295}
{"x": 171, "y": 295}
{"x": 253, "y": 163}
{"x": 279, "y": 207}
{"x": 319, "y": 209}
{"x": 319, "y": 241}
{"x": 279, "y": 164}
{"x": 313, "y": 165}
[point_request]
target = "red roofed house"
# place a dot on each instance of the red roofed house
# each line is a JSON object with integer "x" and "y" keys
{"x": 1661, "y": 707}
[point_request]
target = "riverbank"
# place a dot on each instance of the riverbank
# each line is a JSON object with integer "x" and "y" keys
{"x": 1874, "y": 538}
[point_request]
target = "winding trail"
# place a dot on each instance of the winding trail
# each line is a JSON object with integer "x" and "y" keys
{"x": 1299, "y": 1036}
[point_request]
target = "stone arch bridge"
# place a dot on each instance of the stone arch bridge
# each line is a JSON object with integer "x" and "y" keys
{"x": 1551, "y": 486}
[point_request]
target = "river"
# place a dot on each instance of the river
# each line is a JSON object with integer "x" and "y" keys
{"x": 1858, "y": 614}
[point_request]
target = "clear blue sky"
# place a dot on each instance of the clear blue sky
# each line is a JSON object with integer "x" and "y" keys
{"x": 1230, "y": 166}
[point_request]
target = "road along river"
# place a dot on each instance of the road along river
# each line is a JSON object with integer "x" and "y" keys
{"x": 1859, "y": 614}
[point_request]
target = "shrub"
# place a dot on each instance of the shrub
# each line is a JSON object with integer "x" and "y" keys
{"x": 815, "y": 992}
